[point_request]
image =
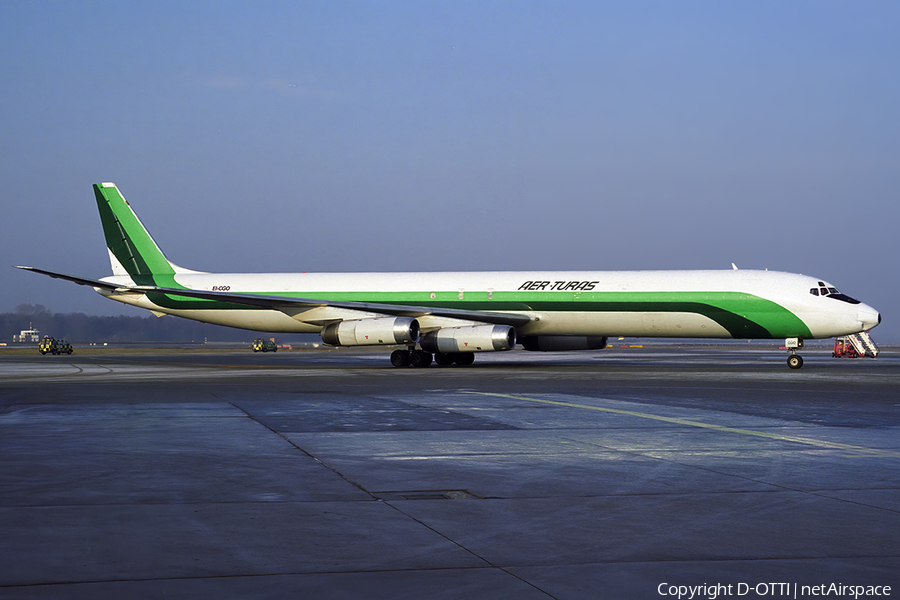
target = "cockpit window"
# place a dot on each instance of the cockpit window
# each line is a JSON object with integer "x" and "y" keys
{"x": 832, "y": 292}
{"x": 844, "y": 298}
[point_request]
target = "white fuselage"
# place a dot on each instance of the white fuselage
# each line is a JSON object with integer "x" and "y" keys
{"x": 610, "y": 303}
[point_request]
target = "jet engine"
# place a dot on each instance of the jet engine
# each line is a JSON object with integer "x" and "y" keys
{"x": 476, "y": 338}
{"x": 556, "y": 343}
{"x": 371, "y": 332}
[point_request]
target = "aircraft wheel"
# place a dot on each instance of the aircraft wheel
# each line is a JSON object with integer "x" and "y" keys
{"x": 795, "y": 361}
{"x": 443, "y": 359}
{"x": 420, "y": 358}
{"x": 464, "y": 359}
{"x": 400, "y": 358}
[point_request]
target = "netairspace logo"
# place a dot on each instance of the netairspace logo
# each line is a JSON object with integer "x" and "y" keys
{"x": 758, "y": 590}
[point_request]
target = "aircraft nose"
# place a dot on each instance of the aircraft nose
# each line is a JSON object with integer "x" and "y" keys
{"x": 868, "y": 316}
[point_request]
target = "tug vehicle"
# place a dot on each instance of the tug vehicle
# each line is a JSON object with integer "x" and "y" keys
{"x": 51, "y": 345}
{"x": 261, "y": 345}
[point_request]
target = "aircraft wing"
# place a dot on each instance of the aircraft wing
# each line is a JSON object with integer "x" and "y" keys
{"x": 286, "y": 303}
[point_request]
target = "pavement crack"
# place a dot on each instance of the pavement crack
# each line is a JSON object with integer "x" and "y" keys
{"x": 331, "y": 468}
{"x": 466, "y": 549}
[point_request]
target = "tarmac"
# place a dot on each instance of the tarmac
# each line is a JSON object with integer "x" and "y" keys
{"x": 621, "y": 473}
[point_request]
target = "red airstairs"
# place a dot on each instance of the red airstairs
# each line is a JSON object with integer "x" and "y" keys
{"x": 857, "y": 345}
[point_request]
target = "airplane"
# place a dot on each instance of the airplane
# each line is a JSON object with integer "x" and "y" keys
{"x": 447, "y": 317}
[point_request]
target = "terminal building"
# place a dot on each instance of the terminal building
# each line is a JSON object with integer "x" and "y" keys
{"x": 30, "y": 335}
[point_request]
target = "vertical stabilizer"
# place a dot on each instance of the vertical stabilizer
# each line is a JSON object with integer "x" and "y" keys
{"x": 132, "y": 251}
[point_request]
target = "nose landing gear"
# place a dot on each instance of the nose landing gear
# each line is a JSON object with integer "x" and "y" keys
{"x": 794, "y": 361}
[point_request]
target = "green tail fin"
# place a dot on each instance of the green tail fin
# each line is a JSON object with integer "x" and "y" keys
{"x": 131, "y": 249}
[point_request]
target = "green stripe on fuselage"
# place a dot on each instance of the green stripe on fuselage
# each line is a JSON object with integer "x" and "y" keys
{"x": 174, "y": 302}
{"x": 742, "y": 315}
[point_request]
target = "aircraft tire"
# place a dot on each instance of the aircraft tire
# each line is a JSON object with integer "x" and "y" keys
{"x": 420, "y": 358}
{"x": 400, "y": 358}
{"x": 442, "y": 359}
{"x": 795, "y": 361}
{"x": 464, "y": 359}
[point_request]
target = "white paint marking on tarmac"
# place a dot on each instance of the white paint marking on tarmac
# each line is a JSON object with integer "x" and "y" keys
{"x": 722, "y": 428}
{"x": 74, "y": 372}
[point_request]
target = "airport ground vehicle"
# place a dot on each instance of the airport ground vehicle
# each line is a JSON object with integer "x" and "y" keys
{"x": 844, "y": 349}
{"x": 261, "y": 345}
{"x": 857, "y": 345}
{"x": 51, "y": 345}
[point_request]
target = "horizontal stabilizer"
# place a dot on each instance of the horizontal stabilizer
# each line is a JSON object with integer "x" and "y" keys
{"x": 79, "y": 280}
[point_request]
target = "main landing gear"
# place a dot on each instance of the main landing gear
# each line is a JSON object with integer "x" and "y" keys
{"x": 794, "y": 361}
{"x": 421, "y": 358}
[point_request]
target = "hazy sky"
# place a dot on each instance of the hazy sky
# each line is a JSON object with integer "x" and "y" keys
{"x": 399, "y": 136}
